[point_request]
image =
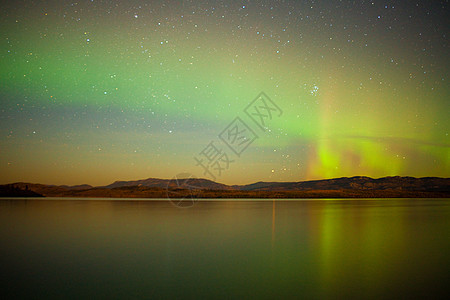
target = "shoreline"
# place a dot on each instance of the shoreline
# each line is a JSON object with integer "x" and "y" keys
{"x": 158, "y": 193}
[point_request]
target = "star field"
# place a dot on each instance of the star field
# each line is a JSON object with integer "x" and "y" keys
{"x": 97, "y": 91}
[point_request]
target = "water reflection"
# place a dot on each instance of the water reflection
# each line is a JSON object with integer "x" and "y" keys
{"x": 222, "y": 249}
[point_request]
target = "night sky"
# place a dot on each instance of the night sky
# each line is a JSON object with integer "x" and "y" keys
{"x": 98, "y": 91}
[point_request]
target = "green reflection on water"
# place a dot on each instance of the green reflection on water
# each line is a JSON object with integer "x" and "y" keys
{"x": 220, "y": 249}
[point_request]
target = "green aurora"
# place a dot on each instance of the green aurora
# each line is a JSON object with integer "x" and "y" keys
{"x": 96, "y": 91}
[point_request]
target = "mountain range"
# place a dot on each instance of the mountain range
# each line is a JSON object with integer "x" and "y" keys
{"x": 345, "y": 187}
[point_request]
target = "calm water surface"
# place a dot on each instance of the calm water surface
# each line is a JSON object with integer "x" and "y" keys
{"x": 382, "y": 248}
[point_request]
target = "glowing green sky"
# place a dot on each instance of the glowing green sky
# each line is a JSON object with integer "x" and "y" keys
{"x": 97, "y": 91}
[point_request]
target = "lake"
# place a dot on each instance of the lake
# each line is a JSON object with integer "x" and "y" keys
{"x": 259, "y": 249}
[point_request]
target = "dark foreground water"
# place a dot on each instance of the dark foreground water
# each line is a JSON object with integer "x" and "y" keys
{"x": 225, "y": 249}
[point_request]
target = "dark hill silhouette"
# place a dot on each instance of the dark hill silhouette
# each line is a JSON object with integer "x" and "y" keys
{"x": 435, "y": 184}
{"x": 345, "y": 187}
{"x": 10, "y": 190}
{"x": 198, "y": 183}
{"x": 77, "y": 187}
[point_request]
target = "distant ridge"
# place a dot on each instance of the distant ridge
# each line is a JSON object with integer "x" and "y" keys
{"x": 344, "y": 187}
{"x": 199, "y": 183}
{"x": 356, "y": 182}
{"x": 10, "y": 190}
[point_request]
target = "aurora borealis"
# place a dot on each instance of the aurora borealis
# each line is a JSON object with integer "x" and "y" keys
{"x": 98, "y": 91}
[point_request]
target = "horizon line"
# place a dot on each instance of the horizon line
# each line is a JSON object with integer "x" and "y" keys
{"x": 201, "y": 178}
